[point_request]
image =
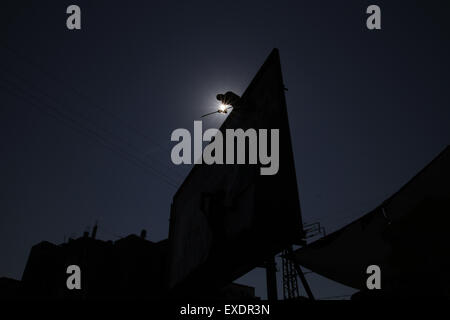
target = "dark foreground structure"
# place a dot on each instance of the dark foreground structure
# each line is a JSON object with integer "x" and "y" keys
{"x": 406, "y": 236}
{"x": 226, "y": 220}
{"x": 129, "y": 268}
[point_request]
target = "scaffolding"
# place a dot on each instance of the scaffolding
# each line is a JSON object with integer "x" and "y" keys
{"x": 291, "y": 269}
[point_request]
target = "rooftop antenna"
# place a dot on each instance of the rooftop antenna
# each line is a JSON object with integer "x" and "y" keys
{"x": 94, "y": 230}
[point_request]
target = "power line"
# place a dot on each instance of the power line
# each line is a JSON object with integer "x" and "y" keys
{"x": 83, "y": 96}
{"x": 94, "y": 124}
{"x": 55, "y": 113}
{"x": 90, "y": 133}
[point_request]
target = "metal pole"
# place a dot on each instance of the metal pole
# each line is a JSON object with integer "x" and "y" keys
{"x": 271, "y": 278}
{"x": 301, "y": 275}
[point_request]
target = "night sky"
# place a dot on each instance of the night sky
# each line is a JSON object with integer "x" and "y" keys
{"x": 86, "y": 116}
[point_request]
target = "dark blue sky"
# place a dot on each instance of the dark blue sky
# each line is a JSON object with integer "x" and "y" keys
{"x": 368, "y": 109}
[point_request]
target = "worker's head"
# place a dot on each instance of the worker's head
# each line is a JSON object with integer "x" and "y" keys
{"x": 229, "y": 98}
{"x": 220, "y": 97}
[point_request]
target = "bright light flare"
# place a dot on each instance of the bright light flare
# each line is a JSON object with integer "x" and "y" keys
{"x": 223, "y": 108}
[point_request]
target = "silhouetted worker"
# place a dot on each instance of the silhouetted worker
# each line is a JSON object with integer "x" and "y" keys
{"x": 229, "y": 98}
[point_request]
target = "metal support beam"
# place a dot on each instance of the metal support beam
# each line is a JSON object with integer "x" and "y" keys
{"x": 301, "y": 275}
{"x": 271, "y": 279}
{"x": 290, "y": 284}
